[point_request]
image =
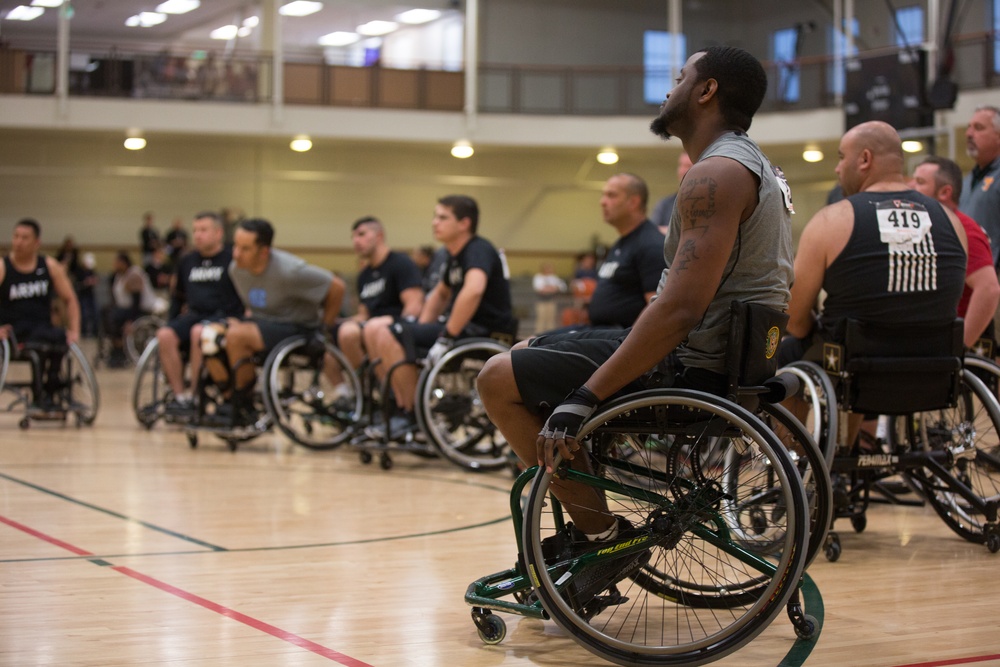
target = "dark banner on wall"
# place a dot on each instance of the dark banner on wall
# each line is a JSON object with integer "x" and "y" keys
{"x": 890, "y": 88}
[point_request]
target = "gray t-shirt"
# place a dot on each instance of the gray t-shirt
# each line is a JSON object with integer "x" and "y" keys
{"x": 289, "y": 289}
{"x": 759, "y": 269}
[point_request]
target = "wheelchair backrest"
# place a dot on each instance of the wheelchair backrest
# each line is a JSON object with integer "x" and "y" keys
{"x": 754, "y": 333}
{"x": 893, "y": 369}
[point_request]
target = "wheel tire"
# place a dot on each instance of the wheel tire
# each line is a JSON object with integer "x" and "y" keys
{"x": 807, "y": 629}
{"x": 491, "y": 628}
{"x": 859, "y": 522}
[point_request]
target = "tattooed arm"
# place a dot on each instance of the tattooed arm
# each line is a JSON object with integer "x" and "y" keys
{"x": 717, "y": 195}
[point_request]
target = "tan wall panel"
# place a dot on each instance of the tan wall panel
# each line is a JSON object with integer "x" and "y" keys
{"x": 303, "y": 83}
{"x": 398, "y": 89}
{"x": 350, "y": 86}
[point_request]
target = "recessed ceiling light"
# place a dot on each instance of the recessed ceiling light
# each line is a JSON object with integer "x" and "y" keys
{"x": 912, "y": 146}
{"x": 462, "y": 149}
{"x": 225, "y": 32}
{"x": 24, "y": 13}
{"x": 145, "y": 19}
{"x": 418, "y": 16}
{"x": 46, "y": 3}
{"x": 607, "y": 156}
{"x": 135, "y": 143}
{"x": 244, "y": 31}
{"x": 251, "y": 22}
{"x": 300, "y": 8}
{"x": 812, "y": 155}
{"x": 375, "y": 28}
{"x": 178, "y": 6}
{"x": 301, "y": 144}
{"x": 339, "y": 38}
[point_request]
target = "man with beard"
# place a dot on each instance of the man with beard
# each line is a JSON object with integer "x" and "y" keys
{"x": 980, "y": 198}
{"x": 730, "y": 238}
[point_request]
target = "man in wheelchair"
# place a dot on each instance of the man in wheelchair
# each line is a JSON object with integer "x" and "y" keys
{"x": 885, "y": 255}
{"x": 475, "y": 292}
{"x": 284, "y": 297}
{"x": 200, "y": 290}
{"x": 730, "y": 238}
{"x": 28, "y": 281}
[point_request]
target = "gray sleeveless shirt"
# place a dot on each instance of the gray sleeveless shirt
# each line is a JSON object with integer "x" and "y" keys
{"x": 759, "y": 269}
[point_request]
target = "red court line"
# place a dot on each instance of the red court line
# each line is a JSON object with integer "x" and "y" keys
{"x": 956, "y": 661}
{"x": 254, "y": 623}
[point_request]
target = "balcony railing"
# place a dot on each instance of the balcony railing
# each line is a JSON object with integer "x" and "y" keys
{"x": 513, "y": 89}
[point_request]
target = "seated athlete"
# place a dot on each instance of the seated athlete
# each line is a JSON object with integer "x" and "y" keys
{"x": 885, "y": 254}
{"x": 28, "y": 282}
{"x": 201, "y": 290}
{"x": 474, "y": 290}
{"x": 283, "y": 295}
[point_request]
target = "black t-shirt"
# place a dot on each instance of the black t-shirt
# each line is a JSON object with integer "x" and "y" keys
{"x": 432, "y": 274}
{"x": 631, "y": 269}
{"x": 379, "y": 287}
{"x": 26, "y": 298}
{"x": 203, "y": 283}
{"x": 494, "y": 312}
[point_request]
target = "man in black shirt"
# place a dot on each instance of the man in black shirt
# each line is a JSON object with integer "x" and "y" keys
{"x": 474, "y": 290}
{"x": 388, "y": 286}
{"x": 28, "y": 280}
{"x": 201, "y": 290}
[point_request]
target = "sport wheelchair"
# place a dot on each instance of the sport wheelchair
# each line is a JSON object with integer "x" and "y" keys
{"x": 296, "y": 392}
{"x": 718, "y": 528}
{"x": 943, "y": 425}
{"x": 76, "y": 392}
{"x": 449, "y": 411}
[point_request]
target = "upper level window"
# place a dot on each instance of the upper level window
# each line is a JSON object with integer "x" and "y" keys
{"x": 996, "y": 35}
{"x": 660, "y": 57}
{"x": 837, "y": 69}
{"x": 909, "y": 28}
{"x": 784, "y": 47}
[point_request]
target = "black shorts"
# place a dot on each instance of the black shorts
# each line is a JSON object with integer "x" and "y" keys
{"x": 182, "y": 325}
{"x": 554, "y": 365}
{"x": 274, "y": 332}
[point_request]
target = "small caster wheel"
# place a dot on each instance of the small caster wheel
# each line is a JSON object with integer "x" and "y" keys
{"x": 366, "y": 457}
{"x": 492, "y": 629}
{"x": 192, "y": 439}
{"x": 859, "y": 522}
{"x": 232, "y": 444}
{"x": 385, "y": 461}
{"x": 24, "y": 423}
{"x": 758, "y": 521}
{"x": 993, "y": 542}
{"x": 807, "y": 627}
{"x": 832, "y": 548}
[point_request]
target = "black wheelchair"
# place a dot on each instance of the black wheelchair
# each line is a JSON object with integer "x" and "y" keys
{"x": 942, "y": 425}
{"x": 720, "y": 523}
{"x": 451, "y": 418}
{"x": 297, "y": 390}
{"x": 74, "y": 392}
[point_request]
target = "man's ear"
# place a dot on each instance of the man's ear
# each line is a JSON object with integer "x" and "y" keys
{"x": 708, "y": 89}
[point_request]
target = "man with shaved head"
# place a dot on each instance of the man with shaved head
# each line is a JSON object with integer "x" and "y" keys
{"x": 885, "y": 254}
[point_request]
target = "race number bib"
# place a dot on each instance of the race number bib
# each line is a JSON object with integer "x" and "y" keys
{"x": 902, "y": 223}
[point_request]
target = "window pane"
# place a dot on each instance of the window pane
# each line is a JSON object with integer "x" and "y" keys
{"x": 658, "y": 60}
{"x": 784, "y": 47}
{"x": 911, "y": 23}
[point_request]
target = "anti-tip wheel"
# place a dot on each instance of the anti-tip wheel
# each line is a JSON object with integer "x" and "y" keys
{"x": 492, "y": 629}
{"x": 832, "y": 547}
{"x": 385, "y": 461}
{"x": 859, "y": 522}
{"x": 24, "y": 423}
{"x": 365, "y": 456}
{"x": 993, "y": 542}
{"x": 806, "y": 629}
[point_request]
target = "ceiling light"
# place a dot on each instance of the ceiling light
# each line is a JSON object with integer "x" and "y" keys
{"x": 913, "y": 146}
{"x": 300, "y": 8}
{"x": 244, "y": 31}
{"x": 812, "y": 155}
{"x": 135, "y": 143}
{"x": 46, "y": 3}
{"x": 251, "y": 22}
{"x": 375, "y": 28}
{"x": 339, "y": 38}
{"x": 24, "y": 13}
{"x": 145, "y": 19}
{"x": 462, "y": 149}
{"x": 178, "y": 6}
{"x": 301, "y": 144}
{"x": 225, "y": 32}
{"x": 607, "y": 156}
{"x": 418, "y": 16}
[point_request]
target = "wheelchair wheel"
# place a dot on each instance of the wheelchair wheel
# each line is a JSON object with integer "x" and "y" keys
{"x": 302, "y": 399}
{"x": 813, "y": 471}
{"x": 655, "y": 596}
{"x": 970, "y": 432}
{"x": 81, "y": 394}
{"x": 451, "y": 413}
{"x": 150, "y": 390}
{"x": 818, "y": 393}
{"x": 143, "y": 331}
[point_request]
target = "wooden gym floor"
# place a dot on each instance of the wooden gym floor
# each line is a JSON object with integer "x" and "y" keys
{"x": 120, "y": 546}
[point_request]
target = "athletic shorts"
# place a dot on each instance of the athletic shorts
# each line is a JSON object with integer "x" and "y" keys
{"x": 274, "y": 332}
{"x": 553, "y": 366}
{"x": 183, "y": 323}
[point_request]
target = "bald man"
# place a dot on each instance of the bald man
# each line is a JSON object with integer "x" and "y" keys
{"x": 885, "y": 254}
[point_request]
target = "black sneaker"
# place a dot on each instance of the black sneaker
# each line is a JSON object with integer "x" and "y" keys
{"x": 180, "y": 406}
{"x": 584, "y": 589}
